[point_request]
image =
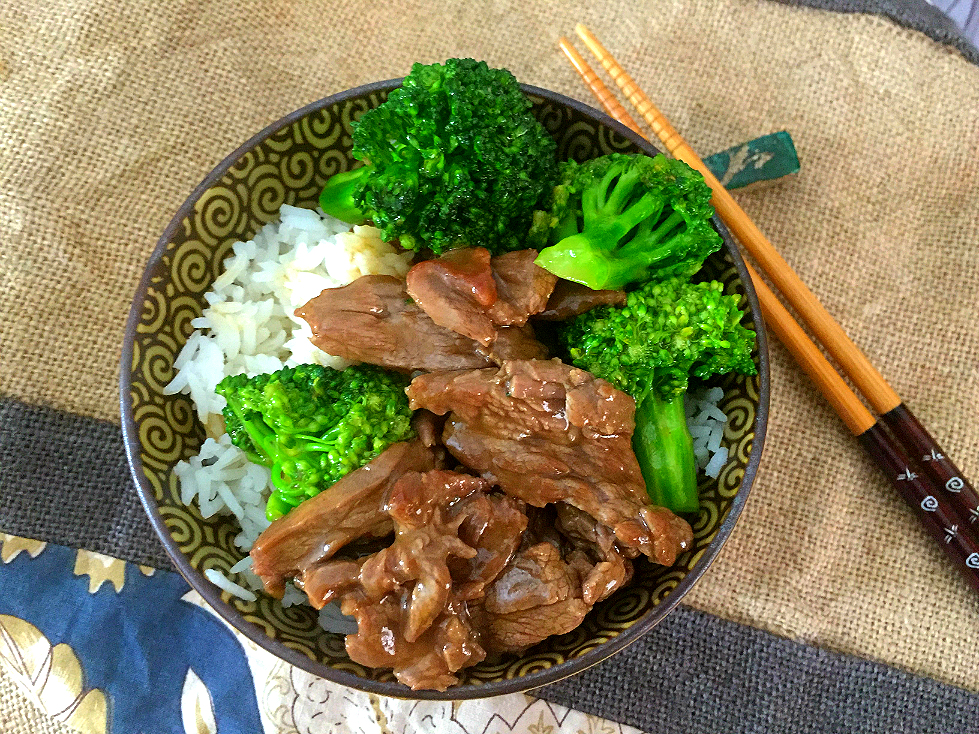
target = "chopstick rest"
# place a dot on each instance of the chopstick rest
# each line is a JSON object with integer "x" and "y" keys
{"x": 762, "y": 159}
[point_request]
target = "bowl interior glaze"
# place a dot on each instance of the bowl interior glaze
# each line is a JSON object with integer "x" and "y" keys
{"x": 287, "y": 164}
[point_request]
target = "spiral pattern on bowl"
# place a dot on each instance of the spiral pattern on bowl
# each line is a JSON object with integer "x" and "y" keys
{"x": 191, "y": 267}
{"x": 289, "y": 166}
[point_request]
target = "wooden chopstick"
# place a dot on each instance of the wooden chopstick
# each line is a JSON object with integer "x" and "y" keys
{"x": 597, "y": 86}
{"x": 855, "y": 364}
{"x": 843, "y": 400}
{"x": 871, "y": 384}
{"x": 935, "y": 512}
{"x": 938, "y": 506}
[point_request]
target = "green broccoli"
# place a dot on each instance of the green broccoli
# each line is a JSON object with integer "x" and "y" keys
{"x": 312, "y": 425}
{"x": 667, "y": 331}
{"x": 622, "y": 219}
{"x": 453, "y": 158}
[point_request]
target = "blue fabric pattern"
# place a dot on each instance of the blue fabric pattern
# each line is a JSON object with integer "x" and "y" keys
{"x": 136, "y": 644}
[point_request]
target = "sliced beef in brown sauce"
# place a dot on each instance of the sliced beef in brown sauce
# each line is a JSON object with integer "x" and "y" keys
{"x": 428, "y": 426}
{"x": 516, "y": 631}
{"x": 430, "y": 661}
{"x": 566, "y": 564}
{"x": 350, "y": 509}
{"x": 426, "y": 538}
{"x": 570, "y": 299}
{"x": 536, "y": 577}
{"x": 603, "y": 566}
{"x": 537, "y": 595}
{"x": 455, "y": 290}
{"x": 494, "y": 525}
{"x": 373, "y": 320}
{"x": 514, "y": 342}
{"x": 523, "y": 287}
{"x": 469, "y": 292}
{"x": 546, "y": 432}
{"x": 409, "y": 599}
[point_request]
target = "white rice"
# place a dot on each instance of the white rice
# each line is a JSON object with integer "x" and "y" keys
{"x": 333, "y": 620}
{"x": 225, "y": 584}
{"x": 706, "y": 422}
{"x": 716, "y": 463}
{"x": 249, "y": 327}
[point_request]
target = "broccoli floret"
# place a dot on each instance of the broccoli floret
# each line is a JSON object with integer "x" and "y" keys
{"x": 337, "y": 198}
{"x": 312, "y": 425}
{"x": 667, "y": 331}
{"x": 238, "y": 434}
{"x": 454, "y": 158}
{"x": 622, "y": 219}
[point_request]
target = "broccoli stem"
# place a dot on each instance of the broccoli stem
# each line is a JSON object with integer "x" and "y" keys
{"x": 664, "y": 448}
{"x": 337, "y": 197}
{"x": 566, "y": 227}
{"x": 262, "y": 437}
{"x": 276, "y": 507}
{"x": 264, "y": 440}
{"x": 583, "y": 258}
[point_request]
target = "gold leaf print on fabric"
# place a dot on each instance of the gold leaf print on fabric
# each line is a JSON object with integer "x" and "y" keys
{"x": 12, "y": 546}
{"x": 595, "y": 725}
{"x": 147, "y": 570}
{"x": 382, "y": 720}
{"x": 541, "y": 727}
{"x": 292, "y": 701}
{"x": 196, "y": 708}
{"x": 100, "y": 569}
{"x": 50, "y": 676}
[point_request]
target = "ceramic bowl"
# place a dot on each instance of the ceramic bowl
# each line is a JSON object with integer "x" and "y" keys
{"x": 287, "y": 163}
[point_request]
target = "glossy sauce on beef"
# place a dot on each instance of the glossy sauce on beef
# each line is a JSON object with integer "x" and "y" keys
{"x": 473, "y": 294}
{"x": 536, "y": 596}
{"x": 409, "y": 598}
{"x": 455, "y": 291}
{"x": 569, "y": 299}
{"x": 519, "y": 506}
{"x": 374, "y": 320}
{"x": 546, "y": 432}
{"x": 319, "y": 527}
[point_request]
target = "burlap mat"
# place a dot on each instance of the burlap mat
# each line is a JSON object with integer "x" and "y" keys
{"x": 113, "y": 110}
{"x": 17, "y": 714}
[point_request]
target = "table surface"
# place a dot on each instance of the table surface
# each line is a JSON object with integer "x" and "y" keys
{"x": 829, "y": 609}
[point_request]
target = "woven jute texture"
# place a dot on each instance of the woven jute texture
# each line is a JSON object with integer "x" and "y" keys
{"x": 111, "y": 111}
{"x": 18, "y": 715}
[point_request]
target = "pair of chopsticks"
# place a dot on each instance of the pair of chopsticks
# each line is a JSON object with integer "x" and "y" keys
{"x": 912, "y": 460}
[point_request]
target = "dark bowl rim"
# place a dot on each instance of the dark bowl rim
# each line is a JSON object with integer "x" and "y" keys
{"x": 534, "y": 679}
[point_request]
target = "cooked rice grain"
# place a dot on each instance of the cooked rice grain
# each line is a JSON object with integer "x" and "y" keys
{"x": 249, "y": 327}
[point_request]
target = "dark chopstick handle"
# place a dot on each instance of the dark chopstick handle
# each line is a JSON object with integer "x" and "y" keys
{"x": 935, "y": 462}
{"x": 929, "y": 503}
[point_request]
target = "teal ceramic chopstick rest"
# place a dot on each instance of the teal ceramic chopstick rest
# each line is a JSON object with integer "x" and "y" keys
{"x": 762, "y": 159}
